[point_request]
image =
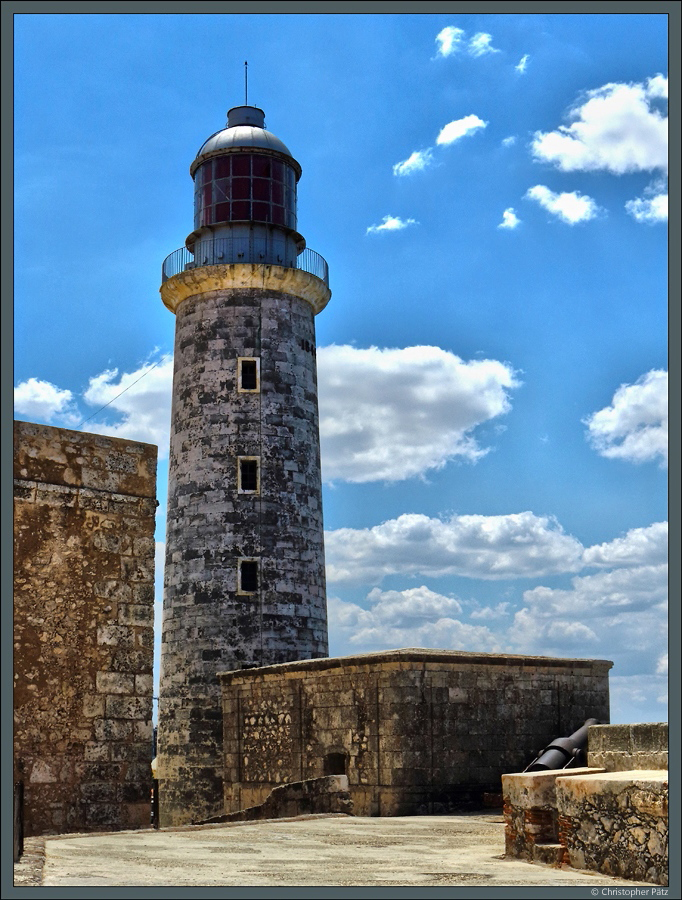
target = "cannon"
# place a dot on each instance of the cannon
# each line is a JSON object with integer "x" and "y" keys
{"x": 563, "y": 752}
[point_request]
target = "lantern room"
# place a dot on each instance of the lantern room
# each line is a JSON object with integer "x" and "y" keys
{"x": 245, "y": 182}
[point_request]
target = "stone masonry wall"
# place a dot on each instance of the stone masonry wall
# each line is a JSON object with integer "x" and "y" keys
{"x": 616, "y": 823}
{"x": 416, "y": 731}
{"x": 530, "y": 811}
{"x": 619, "y": 748}
{"x": 209, "y": 624}
{"x": 84, "y": 509}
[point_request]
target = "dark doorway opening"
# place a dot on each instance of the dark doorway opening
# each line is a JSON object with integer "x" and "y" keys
{"x": 335, "y": 764}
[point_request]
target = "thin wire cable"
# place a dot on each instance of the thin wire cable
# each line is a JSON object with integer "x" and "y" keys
{"x": 97, "y": 412}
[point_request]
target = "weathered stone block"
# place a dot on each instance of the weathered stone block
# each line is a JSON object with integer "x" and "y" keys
{"x": 115, "y": 683}
{"x": 128, "y": 708}
{"x": 112, "y": 730}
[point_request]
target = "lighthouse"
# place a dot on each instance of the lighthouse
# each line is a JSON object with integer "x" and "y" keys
{"x": 244, "y": 575}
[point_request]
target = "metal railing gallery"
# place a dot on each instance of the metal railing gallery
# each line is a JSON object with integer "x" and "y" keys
{"x": 243, "y": 250}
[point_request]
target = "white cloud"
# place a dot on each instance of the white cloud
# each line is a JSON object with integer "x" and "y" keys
{"x": 45, "y": 402}
{"x": 591, "y": 596}
{"x": 491, "y": 612}
{"x": 570, "y": 207}
{"x": 523, "y": 63}
{"x": 615, "y": 128}
{"x": 459, "y": 128}
{"x": 391, "y": 223}
{"x": 635, "y": 426}
{"x": 518, "y": 545}
{"x": 416, "y": 617}
{"x": 402, "y": 607}
{"x": 481, "y": 44}
{"x": 390, "y": 414}
{"x": 509, "y": 141}
{"x": 657, "y": 87}
{"x": 416, "y": 162}
{"x": 449, "y": 40}
{"x": 509, "y": 219}
{"x": 649, "y": 209}
{"x": 640, "y": 546}
{"x": 662, "y": 665}
{"x": 619, "y": 615}
{"x": 145, "y": 407}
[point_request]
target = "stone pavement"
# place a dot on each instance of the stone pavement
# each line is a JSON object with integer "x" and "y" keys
{"x": 308, "y": 850}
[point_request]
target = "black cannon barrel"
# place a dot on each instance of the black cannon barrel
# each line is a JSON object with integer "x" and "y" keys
{"x": 563, "y": 752}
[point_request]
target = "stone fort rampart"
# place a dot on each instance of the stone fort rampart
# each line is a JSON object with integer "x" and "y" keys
{"x": 84, "y": 509}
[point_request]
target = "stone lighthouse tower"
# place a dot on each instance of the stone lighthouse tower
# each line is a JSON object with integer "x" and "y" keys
{"x": 244, "y": 577}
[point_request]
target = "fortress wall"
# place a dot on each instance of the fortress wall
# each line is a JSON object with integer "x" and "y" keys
{"x": 84, "y": 508}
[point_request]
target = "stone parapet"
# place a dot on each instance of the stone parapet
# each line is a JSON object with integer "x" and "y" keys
{"x": 530, "y": 810}
{"x": 620, "y": 748}
{"x": 616, "y": 823}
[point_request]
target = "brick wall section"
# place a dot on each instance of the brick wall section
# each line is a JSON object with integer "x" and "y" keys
{"x": 208, "y": 625}
{"x": 420, "y": 731}
{"x": 619, "y": 748}
{"x": 84, "y": 509}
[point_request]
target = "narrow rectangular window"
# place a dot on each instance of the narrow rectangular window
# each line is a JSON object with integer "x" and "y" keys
{"x": 248, "y": 374}
{"x": 248, "y": 475}
{"x": 248, "y": 576}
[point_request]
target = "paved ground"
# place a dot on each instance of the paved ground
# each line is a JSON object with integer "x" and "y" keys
{"x": 312, "y": 850}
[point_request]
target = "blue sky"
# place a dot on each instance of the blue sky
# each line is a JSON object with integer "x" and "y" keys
{"x": 489, "y": 192}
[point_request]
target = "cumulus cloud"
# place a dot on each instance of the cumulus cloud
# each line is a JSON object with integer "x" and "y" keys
{"x": 509, "y": 219}
{"x": 390, "y": 414}
{"x": 144, "y": 407}
{"x": 616, "y": 128}
{"x": 403, "y": 607}
{"x": 449, "y": 40}
{"x": 571, "y": 207}
{"x": 416, "y": 162}
{"x": 391, "y": 223}
{"x": 591, "y": 596}
{"x": 509, "y": 141}
{"x": 518, "y": 545}
{"x": 522, "y": 63}
{"x": 480, "y": 44}
{"x": 490, "y": 613}
{"x": 640, "y": 546}
{"x": 618, "y": 615}
{"x": 459, "y": 128}
{"x": 43, "y": 401}
{"x": 635, "y": 426}
{"x": 651, "y": 208}
{"x": 416, "y": 617}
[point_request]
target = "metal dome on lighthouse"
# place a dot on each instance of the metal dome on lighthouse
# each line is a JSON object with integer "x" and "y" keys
{"x": 244, "y": 576}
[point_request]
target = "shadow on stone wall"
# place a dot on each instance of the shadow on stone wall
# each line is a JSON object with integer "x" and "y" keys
{"x": 299, "y": 798}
